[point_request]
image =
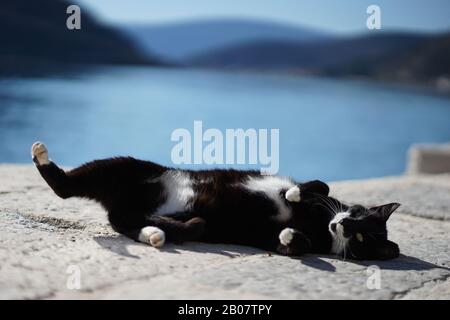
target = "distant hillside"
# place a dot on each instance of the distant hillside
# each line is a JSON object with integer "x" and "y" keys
{"x": 395, "y": 56}
{"x": 309, "y": 56}
{"x": 34, "y": 33}
{"x": 179, "y": 41}
{"x": 428, "y": 60}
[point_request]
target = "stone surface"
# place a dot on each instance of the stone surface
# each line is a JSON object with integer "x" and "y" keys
{"x": 420, "y": 195}
{"x": 43, "y": 239}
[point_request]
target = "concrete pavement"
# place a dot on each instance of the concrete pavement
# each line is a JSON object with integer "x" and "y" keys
{"x": 48, "y": 246}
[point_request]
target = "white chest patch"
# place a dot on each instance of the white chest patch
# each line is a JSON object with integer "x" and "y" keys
{"x": 271, "y": 187}
{"x": 339, "y": 241}
{"x": 178, "y": 192}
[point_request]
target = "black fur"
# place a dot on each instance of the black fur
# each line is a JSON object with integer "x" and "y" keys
{"x": 221, "y": 210}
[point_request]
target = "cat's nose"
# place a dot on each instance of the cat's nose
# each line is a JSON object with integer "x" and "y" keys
{"x": 333, "y": 227}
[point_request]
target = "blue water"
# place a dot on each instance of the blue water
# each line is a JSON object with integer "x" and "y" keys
{"x": 329, "y": 129}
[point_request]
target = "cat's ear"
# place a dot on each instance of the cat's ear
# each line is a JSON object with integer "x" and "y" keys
{"x": 387, "y": 250}
{"x": 385, "y": 210}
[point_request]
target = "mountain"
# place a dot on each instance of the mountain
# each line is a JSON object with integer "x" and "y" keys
{"x": 428, "y": 60}
{"x": 34, "y": 33}
{"x": 179, "y": 41}
{"x": 309, "y": 56}
{"x": 387, "y": 55}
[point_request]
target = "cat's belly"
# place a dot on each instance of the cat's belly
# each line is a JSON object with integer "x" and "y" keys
{"x": 180, "y": 195}
{"x": 271, "y": 186}
{"x": 178, "y": 192}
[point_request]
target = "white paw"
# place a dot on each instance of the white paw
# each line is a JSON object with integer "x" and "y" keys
{"x": 286, "y": 236}
{"x": 39, "y": 151}
{"x": 293, "y": 194}
{"x": 153, "y": 236}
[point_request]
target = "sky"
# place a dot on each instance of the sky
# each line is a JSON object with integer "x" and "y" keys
{"x": 340, "y": 16}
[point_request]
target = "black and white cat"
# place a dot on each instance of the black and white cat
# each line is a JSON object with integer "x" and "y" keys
{"x": 154, "y": 204}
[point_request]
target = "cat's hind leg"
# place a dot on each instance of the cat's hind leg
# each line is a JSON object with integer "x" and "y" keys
{"x": 39, "y": 153}
{"x": 179, "y": 231}
{"x": 55, "y": 177}
{"x": 151, "y": 235}
{"x": 159, "y": 229}
{"x": 154, "y": 236}
{"x": 113, "y": 182}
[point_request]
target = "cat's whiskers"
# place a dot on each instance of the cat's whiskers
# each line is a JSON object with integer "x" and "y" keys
{"x": 332, "y": 206}
{"x": 335, "y": 208}
{"x": 341, "y": 207}
{"x": 330, "y": 210}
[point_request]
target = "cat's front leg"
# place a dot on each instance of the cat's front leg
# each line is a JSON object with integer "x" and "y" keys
{"x": 293, "y": 194}
{"x": 307, "y": 189}
{"x": 293, "y": 242}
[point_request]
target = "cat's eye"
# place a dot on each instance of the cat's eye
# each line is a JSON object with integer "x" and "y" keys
{"x": 359, "y": 237}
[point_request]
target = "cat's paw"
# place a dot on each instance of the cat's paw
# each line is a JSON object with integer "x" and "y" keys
{"x": 39, "y": 153}
{"x": 293, "y": 194}
{"x": 286, "y": 236}
{"x": 293, "y": 243}
{"x": 153, "y": 236}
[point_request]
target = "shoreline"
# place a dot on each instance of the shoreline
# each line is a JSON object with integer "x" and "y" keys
{"x": 424, "y": 87}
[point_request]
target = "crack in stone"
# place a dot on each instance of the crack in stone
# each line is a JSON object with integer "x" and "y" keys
{"x": 50, "y": 221}
{"x": 401, "y": 294}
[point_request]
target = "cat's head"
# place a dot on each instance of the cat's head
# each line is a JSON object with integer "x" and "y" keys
{"x": 360, "y": 233}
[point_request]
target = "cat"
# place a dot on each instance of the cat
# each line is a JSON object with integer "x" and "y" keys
{"x": 154, "y": 204}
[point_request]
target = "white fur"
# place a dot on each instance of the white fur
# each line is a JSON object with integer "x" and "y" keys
{"x": 293, "y": 194}
{"x": 178, "y": 192}
{"x": 153, "y": 236}
{"x": 39, "y": 150}
{"x": 286, "y": 236}
{"x": 339, "y": 241}
{"x": 271, "y": 187}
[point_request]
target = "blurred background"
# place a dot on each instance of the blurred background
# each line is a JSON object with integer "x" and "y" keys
{"x": 348, "y": 101}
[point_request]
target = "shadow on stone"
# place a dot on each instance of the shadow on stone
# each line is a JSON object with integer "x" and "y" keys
{"x": 403, "y": 262}
{"x": 169, "y": 248}
{"x": 316, "y": 263}
{"x": 116, "y": 244}
{"x": 231, "y": 251}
